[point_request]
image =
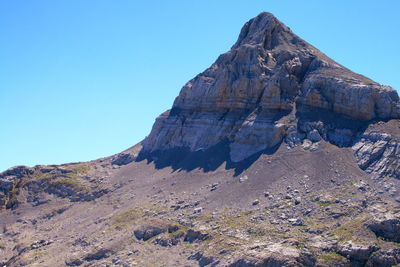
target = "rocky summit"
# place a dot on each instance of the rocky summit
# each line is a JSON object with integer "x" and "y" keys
{"x": 275, "y": 155}
{"x": 271, "y": 86}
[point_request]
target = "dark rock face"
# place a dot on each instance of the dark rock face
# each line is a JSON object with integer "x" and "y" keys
{"x": 146, "y": 232}
{"x": 384, "y": 258}
{"x": 387, "y": 227}
{"x": 9, "y": 182}
{"x": 271, "y": 86}
{"x": 8, "y": 177}
{"x": 202, "y": 260}
{"x": 74, "y": 262}
{"x": 122, "y": 159}
{"x": 99, "y": 254}
{"x": 193, "y": 236}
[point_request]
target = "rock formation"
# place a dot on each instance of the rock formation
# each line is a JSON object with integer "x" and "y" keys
{"x": 274, "y": 156}
{"x": 267, "y": 88}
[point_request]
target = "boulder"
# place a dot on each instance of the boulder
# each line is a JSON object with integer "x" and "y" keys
{"x": 378, "y": 153}
{"x": 355, "y": 251}
{"x": 148, "y": 231}
{"x": 314, "y": 136}
{"x": 386, "y": 226}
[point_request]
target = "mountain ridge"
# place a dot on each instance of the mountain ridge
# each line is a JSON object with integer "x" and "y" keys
{"x": 274, "y": 156}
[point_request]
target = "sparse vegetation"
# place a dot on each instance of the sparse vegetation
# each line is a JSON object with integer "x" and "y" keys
{"x": 127, "y": 217}
{"x": 354, "y": 229}
{"x": 331, "y": 257}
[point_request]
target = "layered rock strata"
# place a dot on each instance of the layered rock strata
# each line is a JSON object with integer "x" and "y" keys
{"x": 254, "y": 95}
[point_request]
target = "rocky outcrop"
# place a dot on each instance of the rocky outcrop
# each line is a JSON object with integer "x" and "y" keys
{"x": 9, "y": 184}
{"x": 378, "y": 153}
{"x": 386, "y": 226}
{"x": 148, "y": 231}
{"x": 122, "y": 159}
{"x": 356, "y": 252}
{"x": 384, "y": 258}
{"x": 9, "y": 177}
{"x": 38, "y": 182}
{"x": 255, "y": 96}
{"x": 274, "y": 255}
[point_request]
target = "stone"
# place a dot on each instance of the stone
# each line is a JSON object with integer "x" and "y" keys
{"x": 148, "y": 231}
{"x": 74, "y": 262}
{"x": 314, "y": 147}
{"x": 294, "y": 137}
{"x": 243, "y": 179}
{"x": 356, "y": 251}
{"x": 386, "y": 226}
{"x": 314, "y": 136}
{"x": 197, "y": 210}
{"x": 102, "y": 253}
{"x": 378, "y": 153}
{"x": 384, "y": 257}
{"x": 195, "y": 236}
{"x": 272, "y": 254}
{"x": 307, "y": 211}
{"x": 246, "y": 98}
{"x": 296, "y": 221}
{"x": 228, "y": 121}
{"x": 201, "y": 259}
{"x": 307, "y": 144}
{"x": 41, "y": 243}
{"x": 123, "y": 159}
{"x": 214, "y": 187}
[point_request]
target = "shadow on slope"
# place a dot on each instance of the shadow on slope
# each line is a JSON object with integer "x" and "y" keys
{"x": 336, "y": 129}
{"x": 182, "y": 159}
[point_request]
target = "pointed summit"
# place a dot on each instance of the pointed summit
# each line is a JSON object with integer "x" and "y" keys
{"x": 246, "y": 169}
{"x": 267, "y": 89}
{"x": 259, "y": 30}
{"x": 267, "y": 31}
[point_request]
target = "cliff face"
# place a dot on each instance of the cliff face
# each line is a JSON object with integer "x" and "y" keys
{"x": 289, "y": 159}
{"x": 271, "y": 87}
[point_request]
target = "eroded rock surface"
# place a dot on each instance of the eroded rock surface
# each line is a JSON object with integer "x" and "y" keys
{"x": 321, "y": 187}
{"x": 379, "y": 153}
{"x": 268, "y": 82}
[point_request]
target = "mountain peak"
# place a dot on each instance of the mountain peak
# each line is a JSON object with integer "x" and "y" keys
{"x": 246, "y": 169}
{"x": 260, "y": 30}
{"x": 269, "y": 87}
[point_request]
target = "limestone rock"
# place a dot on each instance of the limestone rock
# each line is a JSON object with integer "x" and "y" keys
{"x": 384, "y": 258}
{"x": 378, "y": 153}
{"x": 274, "y": 255}
{"x": 386, "y": 226}
{"x": 355, "y": 251}
{"x": 314, "y": 136}
{"x": 9, "y": 180}
{"x": 268, "y": 78}
{"x": 123, "y": 159}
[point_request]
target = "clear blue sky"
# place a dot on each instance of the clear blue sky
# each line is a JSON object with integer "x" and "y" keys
{"x": 81, "y": 80}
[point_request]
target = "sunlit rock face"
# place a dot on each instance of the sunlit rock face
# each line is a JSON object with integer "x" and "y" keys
{"x": 253, "y": 94}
